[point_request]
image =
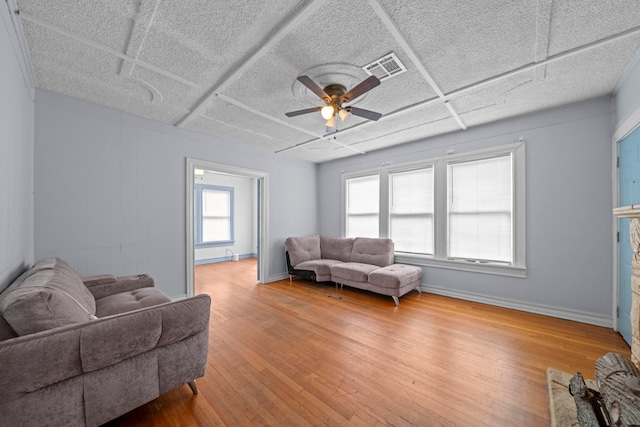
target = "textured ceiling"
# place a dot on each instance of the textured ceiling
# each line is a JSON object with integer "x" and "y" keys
{"x": 229, "y": 68}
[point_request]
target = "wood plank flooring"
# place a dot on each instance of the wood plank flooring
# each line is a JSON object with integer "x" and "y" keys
{"x": 307, "y": 353}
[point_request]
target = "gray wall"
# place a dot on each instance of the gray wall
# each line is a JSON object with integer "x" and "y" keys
{"x": 110, "y": 190}
{"x": 568, "y": 210}
{"x": 16, "y": 162}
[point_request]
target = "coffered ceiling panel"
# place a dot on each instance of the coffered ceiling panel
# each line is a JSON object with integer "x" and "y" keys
{"x": 462, "y": 44}
{"x": 576, "y": 23}
{"x": 230, "y": 68}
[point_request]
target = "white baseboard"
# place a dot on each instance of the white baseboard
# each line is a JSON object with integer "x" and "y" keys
{"x": 578, "y": 316}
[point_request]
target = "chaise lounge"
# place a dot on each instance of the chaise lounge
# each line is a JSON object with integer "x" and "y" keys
{"x": 81, "y": 352}
{"x": 363, "y": 263}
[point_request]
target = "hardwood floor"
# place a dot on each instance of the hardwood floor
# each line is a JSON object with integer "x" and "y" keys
{"x": 309, "y": 354}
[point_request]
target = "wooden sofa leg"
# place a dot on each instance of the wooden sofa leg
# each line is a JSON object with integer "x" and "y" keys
{"x": 396, "y": 300}
{"x": 193, "y": 386}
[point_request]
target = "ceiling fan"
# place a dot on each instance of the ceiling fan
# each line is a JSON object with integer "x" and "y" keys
{"x": 334, "y": 95}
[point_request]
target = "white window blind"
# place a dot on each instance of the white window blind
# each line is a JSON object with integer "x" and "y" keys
{"x": 216, "y": 215}
{"x": 411, "y": 210}
{"x": 480, "y": 210}
{"x": 363, "y": 206}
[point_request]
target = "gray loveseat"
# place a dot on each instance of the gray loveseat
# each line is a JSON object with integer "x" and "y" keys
{"x": 363, "y": 263}
{"x": 76, "y": 352}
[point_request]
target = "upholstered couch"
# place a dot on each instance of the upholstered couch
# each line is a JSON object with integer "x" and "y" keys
{"x": 360, "y": 262}
{"x": 76, "y": 352}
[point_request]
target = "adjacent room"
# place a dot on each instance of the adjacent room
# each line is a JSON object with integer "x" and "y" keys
{"x": 314, "y": 212}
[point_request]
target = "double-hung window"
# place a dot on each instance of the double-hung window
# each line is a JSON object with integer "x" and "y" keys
{"x": 480, "y": 210}
{"x": 411, "y": 210}
{"x": 462, "y": 211}
{"x": 214, "y": 215}
{"x": 363, "y": 206}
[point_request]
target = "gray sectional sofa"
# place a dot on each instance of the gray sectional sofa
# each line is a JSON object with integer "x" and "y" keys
{"x": 81, "y": 352}
{"x": 363, "y": 263}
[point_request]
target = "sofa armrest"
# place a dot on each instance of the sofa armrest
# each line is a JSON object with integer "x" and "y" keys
{"x": 106, "y": 284}
{"x": 32, "y": 362}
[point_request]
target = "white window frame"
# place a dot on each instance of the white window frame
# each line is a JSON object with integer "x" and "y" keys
{"x": 346, "y": 192}
{"x": 199, "y": 217}
{"x": 412, "y": 169}
{"x": 440, "y": 257}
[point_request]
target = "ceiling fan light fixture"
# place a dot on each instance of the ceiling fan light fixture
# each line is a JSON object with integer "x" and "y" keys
{"x": 344, "y": 114}
{"x": 327, "y": 112}
{"x": 331, "y": 122}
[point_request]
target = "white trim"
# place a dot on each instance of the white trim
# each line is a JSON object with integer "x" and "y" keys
{"x": 263, "y": 250}
{"x": 614, "y": 226}
{"x": 574, "y": 315}
{"x": 625, "y": 129}
{"x": 453, "y": 264}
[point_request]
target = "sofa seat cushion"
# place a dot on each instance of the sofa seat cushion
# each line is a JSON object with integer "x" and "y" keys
{"x": 302, "y": 249}
{"x": 50, "y": 296}
{"x": 352, "y": 271}
{"x": 322, "y": 268}
{"x": 129, "y": 301}
{"x": 395, "y": 276}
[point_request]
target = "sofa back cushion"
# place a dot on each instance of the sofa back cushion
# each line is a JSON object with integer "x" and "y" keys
{"x": 48, "y": 296}
{"x": 302, "y": 249}
{"x": 372, "y": 251}
{"x": 335, "y": 248}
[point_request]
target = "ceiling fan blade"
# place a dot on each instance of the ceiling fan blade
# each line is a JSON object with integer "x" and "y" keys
{"x": 364, "y": 86}
{"x": 313, "y": 87}
{"x": 367, "y": 114}
{"x": 300, "y": 112}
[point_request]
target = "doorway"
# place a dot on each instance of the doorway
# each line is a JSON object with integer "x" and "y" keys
{"x": 629, "y": 194}
{"x": 260, "y": 180}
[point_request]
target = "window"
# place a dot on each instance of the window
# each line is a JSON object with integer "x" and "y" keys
{"x": 411, "y": 210}
{"x": 463, "y": 211}
{"x": 363, "y": 206}
{"x": 480, "y": 210}
{"x": 214, "y": 215}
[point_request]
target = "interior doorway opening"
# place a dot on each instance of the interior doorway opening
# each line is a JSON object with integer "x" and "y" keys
{"x": 197, "y": 252}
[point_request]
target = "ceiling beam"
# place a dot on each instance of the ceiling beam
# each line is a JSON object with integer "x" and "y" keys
{"x": 10, "y": 15}
{"x": 239, "y": 69}
{"x": 397, "y": 35}
{"x": 141, "y": 25}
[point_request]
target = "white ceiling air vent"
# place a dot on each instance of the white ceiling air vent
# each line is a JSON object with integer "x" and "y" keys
{"x": 385, "y": 67}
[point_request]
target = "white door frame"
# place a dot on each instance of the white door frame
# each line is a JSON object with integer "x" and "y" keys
{"x": 624, "y": 130}
{"x": 263, "y": 238}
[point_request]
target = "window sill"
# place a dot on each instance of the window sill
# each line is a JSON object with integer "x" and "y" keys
{"x": 215, "y": 244}
{"x": 429, "y": 261}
